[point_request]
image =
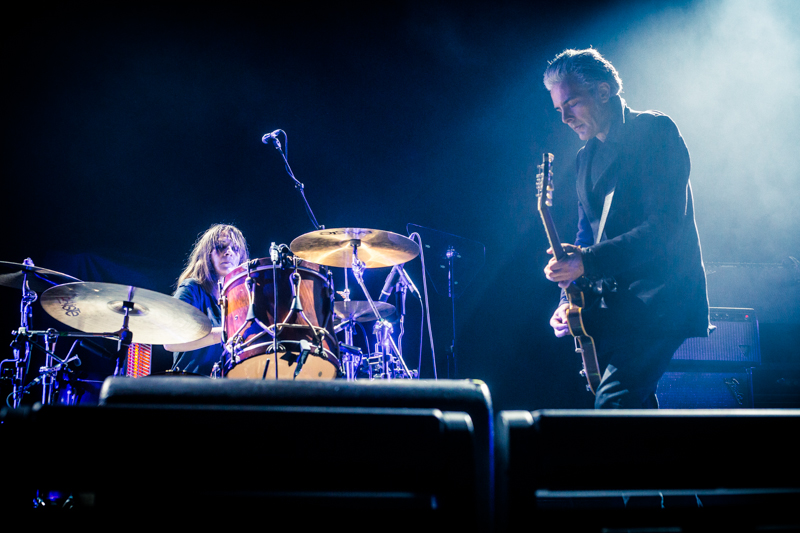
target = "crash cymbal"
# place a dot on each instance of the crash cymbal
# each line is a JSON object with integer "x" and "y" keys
{"x": 98, "y": 308}
{"x": 334, "y": 247}
{"x": 39, "y": 279}
{"x": 361, "y": 310}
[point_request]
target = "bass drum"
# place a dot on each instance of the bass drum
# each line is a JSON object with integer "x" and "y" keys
{"x": 249, "y": 342}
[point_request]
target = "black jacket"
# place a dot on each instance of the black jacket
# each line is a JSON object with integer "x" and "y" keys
{"x": 651, "y": 248}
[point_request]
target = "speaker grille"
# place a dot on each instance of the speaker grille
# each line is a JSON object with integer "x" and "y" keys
{"x": 734, "y": 341}
{"x": 704, "y": 390}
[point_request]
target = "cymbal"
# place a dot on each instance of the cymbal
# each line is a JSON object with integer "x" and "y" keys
{"x": 39, "y": 279}
{"x": 334, "y": 247}
{"x": 98, "y": 308}
{"x": 361, "y": 310}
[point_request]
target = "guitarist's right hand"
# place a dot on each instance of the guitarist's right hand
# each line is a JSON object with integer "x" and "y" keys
{"x": 559, "y": 321}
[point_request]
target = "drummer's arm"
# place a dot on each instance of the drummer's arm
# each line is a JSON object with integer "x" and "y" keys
{"x": 213, "y": 337}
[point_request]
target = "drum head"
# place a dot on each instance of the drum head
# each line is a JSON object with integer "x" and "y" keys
{"x": 315, "y": 367}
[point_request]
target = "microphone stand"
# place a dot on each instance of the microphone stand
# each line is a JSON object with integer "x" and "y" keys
{"x": 451, "y": 255}
{"x": 267, "y": 139}
{"x": 273, "y": 138}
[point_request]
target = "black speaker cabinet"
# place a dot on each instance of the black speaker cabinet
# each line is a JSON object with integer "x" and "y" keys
{"x": 704, "y": 390}
{"x": 735, "y": 340}
{"x": 341, "y": 450}
{"x": 647, "y": 470}
{"x": 713, "y": 372}
{"x": 308, "y": 467}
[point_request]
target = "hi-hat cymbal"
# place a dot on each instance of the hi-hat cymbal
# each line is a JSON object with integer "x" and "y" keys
{"x": 334, "y": 247}
{"x": 98, "y": 308}
{"x": 361, "y": 310}
{"x": 39, "y": 279}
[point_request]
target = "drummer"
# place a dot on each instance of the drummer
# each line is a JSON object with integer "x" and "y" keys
{"x": 218, "y": 251}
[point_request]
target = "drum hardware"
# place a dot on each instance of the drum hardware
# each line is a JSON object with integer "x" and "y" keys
{"x": 387, "y": 361}
{"x": 387, "y": 358}
{"x": 95, "y": 308}
{"x": 350, "y": 313}
{"x": 358, "y": 249}
{"x": 301, "y": 313}
{"x": 50, "y": 372}
{"x": 305, "y": 349}
{"x": 351, "y": 357}
{"x": 237, "y": 343}
{"x": 338, "y": 248}
{"x": 31, "y": 280}
{"x": 275, "y": 256}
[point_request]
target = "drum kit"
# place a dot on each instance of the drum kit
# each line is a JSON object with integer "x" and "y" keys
{"x": 279, "y": 317}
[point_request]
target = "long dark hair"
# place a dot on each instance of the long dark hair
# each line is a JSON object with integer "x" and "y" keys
{"x": 200, "y": 267}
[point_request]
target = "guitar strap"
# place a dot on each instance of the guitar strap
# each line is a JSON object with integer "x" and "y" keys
{"x": 604, "y": 216}
{"x": 599, "y": 236}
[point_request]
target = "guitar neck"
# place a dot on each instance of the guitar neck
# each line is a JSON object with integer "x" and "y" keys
{"x": 545, "y": 193}
{"x": 552, "y": 236}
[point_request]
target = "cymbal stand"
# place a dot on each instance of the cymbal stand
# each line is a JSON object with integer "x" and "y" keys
{"x": 53, "y": 364}
{"x": 125, "y": 334}
{"x": 22, "y": 351}
{"x": 350, "y": 360}
{"x": 48, "y": 375}
{"x": 387, "y": 355}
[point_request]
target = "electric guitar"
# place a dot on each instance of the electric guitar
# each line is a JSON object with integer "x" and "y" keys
{"x": 584, "y": 343}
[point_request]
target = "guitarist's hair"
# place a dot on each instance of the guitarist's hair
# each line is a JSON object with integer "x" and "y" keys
{"x": 587, "y": 67}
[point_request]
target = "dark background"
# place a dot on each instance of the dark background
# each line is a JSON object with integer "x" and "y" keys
{"x": 129, "y": 130}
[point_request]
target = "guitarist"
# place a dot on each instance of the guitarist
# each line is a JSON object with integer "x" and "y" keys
{"x": 645, "y": 252}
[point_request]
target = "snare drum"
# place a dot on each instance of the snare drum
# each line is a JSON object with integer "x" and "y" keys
{"x": 250, "y": 345}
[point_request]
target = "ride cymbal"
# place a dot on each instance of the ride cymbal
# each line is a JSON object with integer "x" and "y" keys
{"x": 334, "y": 247}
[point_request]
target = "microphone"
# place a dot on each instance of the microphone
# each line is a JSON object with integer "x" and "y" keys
{"x": 407, "y": 281}
{"x": 269, "y": 136}
{"x": 305, "y": 349}
{"x": 386, "y": 291}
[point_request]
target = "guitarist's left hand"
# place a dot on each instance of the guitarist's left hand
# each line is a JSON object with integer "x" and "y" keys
{"x": 566, "y": 271}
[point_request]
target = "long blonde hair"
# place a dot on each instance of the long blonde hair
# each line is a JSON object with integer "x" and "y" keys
{"x": 200, "y": 267}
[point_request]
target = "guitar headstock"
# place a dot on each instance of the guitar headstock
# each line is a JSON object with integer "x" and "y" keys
{"x": 544, "y": 181}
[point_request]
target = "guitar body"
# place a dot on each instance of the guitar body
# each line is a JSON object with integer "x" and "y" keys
{"x": 576, "y": 292}
{"x": 584, "y": 343}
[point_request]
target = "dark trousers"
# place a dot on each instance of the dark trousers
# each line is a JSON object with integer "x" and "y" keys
{"x": 632, "y": 371}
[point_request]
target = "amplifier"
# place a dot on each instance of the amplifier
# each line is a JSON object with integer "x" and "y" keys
{"x": 735, "y": 340}
{"x": 704, "y": 390}
{"x": 713, "y": 372}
